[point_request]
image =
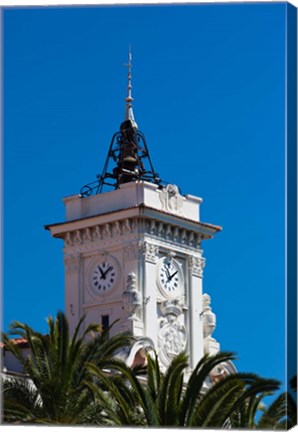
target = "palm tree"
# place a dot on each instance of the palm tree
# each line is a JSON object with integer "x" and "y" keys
{"x": 167, "y": 400}
{"x": 55, "y": 390}
{"x": 74, "y": 381}
{"x": 281, "y": 414}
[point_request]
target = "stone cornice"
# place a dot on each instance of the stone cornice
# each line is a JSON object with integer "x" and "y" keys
{"x": 206, "y": 231}
{"x": 128, "y": 231}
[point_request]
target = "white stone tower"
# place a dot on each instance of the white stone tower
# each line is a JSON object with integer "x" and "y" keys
{"x": 134, "y": 254}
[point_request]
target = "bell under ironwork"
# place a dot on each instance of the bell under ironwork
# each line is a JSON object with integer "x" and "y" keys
{"x": 128, "y": 158}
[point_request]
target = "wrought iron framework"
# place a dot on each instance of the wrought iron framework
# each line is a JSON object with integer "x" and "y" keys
{"x": 128, "y": 160}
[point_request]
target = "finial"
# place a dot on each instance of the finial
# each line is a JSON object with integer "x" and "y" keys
{"x": 128, "y": 156}
{"x": 128, "y": 109}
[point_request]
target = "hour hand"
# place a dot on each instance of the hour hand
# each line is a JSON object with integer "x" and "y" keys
{"x": 102, "y": 274}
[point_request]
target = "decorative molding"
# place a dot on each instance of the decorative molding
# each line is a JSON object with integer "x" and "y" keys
{"x": 191, "y": 239}
{"x": 170, "y": 199}
{"x": 78, "y": 237}
{"x": 160, "y": 229}
{"x": 107, "y": 231}
{"x": 114, "y": 232}
{"x": 176, "y": 234}
{"x": 196, "y": 265}
{"x": 72, "y": 262}
{"x": 97, "y": 233}
{"x": 127, "y": 226}
{"x": 171, "y": 339}
{"x": 116, "y": 229}
{"x": 86, "y": 235}
{"x": 172, "y": 307}
{"x": 68, "y": 239}
{"x": 183, "y": 237}
{"x": 168, "y": 232}
{"x": 149, "y": 251}
{"x": 152, "y": 227}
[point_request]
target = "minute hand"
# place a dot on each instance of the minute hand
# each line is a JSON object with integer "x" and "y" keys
{"x": 171, "y": 277}
{"x": 110, "y": 268}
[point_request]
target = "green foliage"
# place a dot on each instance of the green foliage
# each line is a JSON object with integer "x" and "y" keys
{"x": 56, "y": 390}
{"x": 78, "y": 380}
{"x": 170, "y": 399}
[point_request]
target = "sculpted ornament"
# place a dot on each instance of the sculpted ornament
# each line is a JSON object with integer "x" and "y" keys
{"x": 172, "y": 307}
{"x": 78, "y": 237}
{"x": 86, "y": 235}
{"x": 208, "y": 317}
{"x": 127, "y": 227}
{"x": 97, "y": 233}
{"x": 106, "y": 232}
{"x": 149, "y": 250}
{"x": 68, "y": 239}
{"x": 116, "y": 229}
{"x": 196, "y": 265}
{"x": 171, "y": 199}
{"x": 131, "y": 297}
{"x": 172, "y": 338}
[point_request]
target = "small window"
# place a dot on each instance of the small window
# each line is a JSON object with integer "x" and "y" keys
{"x": 105, "y": 321}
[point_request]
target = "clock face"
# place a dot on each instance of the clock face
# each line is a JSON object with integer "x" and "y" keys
{"x": 104, "y": 275}
{"x": 170, "y": 278}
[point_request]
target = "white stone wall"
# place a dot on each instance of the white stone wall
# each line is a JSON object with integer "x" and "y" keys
{"x": 132, "y": 231}
{"x": 131, "y": 195}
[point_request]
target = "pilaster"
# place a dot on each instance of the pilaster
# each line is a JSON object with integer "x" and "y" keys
{"x": 149, "y": 253}
{"x": 195, "y": 269}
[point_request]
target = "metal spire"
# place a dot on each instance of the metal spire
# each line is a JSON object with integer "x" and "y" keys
{"x": 129, "y": 99}
{"x": 128, "y": 157}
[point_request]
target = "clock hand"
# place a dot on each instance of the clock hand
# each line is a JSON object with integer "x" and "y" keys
{"x": 109, "y": 269}
{"x": 168, "y": 273}
{"x": 171, "y": 276}
{"x": 103, "y": 276}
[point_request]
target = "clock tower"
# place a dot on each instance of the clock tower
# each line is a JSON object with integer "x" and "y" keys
{"x": 133, "y": 254}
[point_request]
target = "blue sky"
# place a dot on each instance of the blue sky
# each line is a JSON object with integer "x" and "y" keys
{"x": 209, "y": 90}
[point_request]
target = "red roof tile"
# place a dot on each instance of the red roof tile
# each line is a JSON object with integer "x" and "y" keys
{"x": 15, "y": 341}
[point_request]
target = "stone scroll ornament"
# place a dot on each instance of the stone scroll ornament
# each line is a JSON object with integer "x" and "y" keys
{"x": 171, "y": 199}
